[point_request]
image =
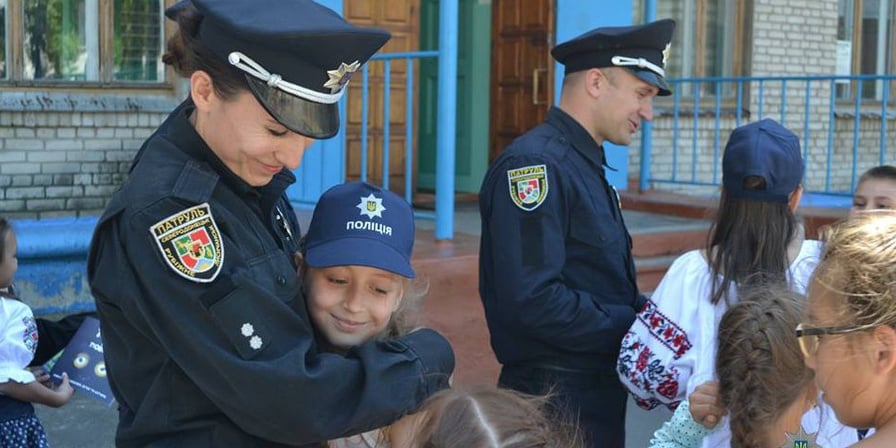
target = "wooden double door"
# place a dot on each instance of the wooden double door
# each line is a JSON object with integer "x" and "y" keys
{"x": 516, "y": 74}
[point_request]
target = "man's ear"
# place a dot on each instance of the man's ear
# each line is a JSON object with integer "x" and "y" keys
{"x": 202, "y": 90}
{"x": 884, "y": 337}
{"x": 595, "y": 82}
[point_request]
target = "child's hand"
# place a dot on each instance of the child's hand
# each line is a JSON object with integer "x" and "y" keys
{"x": 63, "y": 393}
{"x": 706, "y": 404}
{"x": 42, "y": 376}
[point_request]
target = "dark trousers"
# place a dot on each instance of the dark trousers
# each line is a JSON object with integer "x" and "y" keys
{"x": 594, "y": 400}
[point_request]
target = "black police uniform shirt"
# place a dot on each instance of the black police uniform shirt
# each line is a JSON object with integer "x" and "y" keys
{"x": 228, "y": 358}
{"x": 557, "y": 278}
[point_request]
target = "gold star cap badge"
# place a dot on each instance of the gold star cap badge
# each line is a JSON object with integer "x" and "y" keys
{"x": 666, "y": 53}
{"x": 340, "y": 76}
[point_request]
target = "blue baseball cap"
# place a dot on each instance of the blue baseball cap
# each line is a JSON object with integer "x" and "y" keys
{"x": 360, "y": 224}
{"x": 767, "y": 150}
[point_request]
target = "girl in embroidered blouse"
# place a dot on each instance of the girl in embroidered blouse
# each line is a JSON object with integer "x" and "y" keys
{"x": 764, "y": 384}
{"x": 848, "y": 334}
{"x": 755, "y": 239}
{"x": 19, "y": 426}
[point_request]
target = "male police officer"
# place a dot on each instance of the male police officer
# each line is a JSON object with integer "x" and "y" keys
{"x": 556, "y": 273}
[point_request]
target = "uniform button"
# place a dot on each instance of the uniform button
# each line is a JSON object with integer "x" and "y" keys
{"x": 281, "y": 280}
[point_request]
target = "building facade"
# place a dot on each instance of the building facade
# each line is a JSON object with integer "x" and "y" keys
{"x": 82, "y": 85}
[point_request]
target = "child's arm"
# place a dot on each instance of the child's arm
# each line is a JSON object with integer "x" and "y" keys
{"x": 35, "y": 392}
{"x": 681, "y": 431}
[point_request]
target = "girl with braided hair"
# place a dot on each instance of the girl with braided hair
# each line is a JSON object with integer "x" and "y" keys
{"x": 756, "y": 239}
{"x": 764, "y": 384}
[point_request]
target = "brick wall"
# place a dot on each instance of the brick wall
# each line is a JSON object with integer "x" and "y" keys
{"x": 62, "y": 163}
{"x": 795, "y": 38}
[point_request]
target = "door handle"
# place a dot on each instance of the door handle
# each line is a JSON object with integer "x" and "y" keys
{"x": 535, "y": 83}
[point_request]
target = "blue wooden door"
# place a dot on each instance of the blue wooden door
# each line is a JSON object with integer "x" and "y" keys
{"x": 324, "y": 162}
{"x": 575, "y": 17}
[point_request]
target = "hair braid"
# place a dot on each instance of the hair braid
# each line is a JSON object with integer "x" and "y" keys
{"x": 759, "y": 365}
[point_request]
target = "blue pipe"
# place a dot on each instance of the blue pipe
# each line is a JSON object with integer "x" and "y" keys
{"x": 647, "y": 127}
{"x": 446, "y": 130}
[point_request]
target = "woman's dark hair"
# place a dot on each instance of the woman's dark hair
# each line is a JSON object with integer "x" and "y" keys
{"x": 186, "y": 54}
{"x": 748, "y": 242}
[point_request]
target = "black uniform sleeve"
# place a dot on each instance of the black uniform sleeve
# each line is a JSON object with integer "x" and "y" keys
{"x": 526, "y": 253}
{"x": 250, "y": 350}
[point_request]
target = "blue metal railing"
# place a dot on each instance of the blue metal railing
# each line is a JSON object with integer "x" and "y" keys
{"x": 841, "y": 130}
{"x": 444, "y": 214}
{"x": 445, "y": 127}
{"x": 409, "y": 119}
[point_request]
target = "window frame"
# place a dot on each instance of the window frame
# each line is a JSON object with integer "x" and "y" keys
{"x": 742, "y": 17}
{"x": 105, "y": 16}
{"x": 855, "y": 63}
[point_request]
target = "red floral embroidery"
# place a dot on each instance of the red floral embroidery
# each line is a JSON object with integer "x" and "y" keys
{"x": 649, "y": 378}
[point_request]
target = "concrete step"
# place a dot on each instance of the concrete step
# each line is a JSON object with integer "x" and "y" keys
{"x": 453, "y": 306}
{"x": 704, "y": 207}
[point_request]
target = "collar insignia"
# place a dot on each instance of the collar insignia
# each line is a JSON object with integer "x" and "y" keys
{"x": 340, "y": 76}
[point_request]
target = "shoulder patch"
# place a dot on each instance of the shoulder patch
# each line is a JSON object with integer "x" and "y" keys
{"x": 528, "y": 186}
{"x": 191, "y": 243}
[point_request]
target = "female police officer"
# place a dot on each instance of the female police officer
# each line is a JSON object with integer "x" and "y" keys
{"x": 207, "y": 339}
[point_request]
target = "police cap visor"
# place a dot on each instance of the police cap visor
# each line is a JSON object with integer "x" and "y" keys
{"x": 308, "y": 118}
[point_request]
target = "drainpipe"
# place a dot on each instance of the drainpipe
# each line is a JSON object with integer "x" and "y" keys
{"x": 447, "y": 110}
{"x": 646, "y": 127}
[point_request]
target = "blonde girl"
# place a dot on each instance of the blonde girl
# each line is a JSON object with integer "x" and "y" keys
{"x": 848, "y": 335}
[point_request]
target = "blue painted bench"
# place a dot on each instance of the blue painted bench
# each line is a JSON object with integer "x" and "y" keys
{"x": 52, "y": 276}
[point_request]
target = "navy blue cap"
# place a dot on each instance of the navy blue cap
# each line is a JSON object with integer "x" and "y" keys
{"x": 767, "y": 150}
{"x": 363, "y": 225}
{"x": 641, "y": 49}
{"x": 297, "y": 55}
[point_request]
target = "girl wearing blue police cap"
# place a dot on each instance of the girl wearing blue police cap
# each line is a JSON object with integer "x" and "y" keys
{"x": 359, "y": 282}
{"x": 207, "y": 338}
{"x": 756, "y": 241}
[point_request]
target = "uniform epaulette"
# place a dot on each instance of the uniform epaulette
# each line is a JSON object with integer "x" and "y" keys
{"x": 195, "y": 182}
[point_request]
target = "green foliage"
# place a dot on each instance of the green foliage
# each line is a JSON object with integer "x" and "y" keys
{"x": 54, "y": 44}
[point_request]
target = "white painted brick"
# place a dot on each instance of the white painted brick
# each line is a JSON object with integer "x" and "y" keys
{"x": 18, "y": 144}
{"x": 24, "y": 192}
{"x": 19, "y": 168}
{"x": 65, "y": 145}
{"x": 46, "y": 156}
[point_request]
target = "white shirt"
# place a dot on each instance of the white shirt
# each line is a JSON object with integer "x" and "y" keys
{"x": 19, "y": 340}
{"x": 671, "y": 347}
